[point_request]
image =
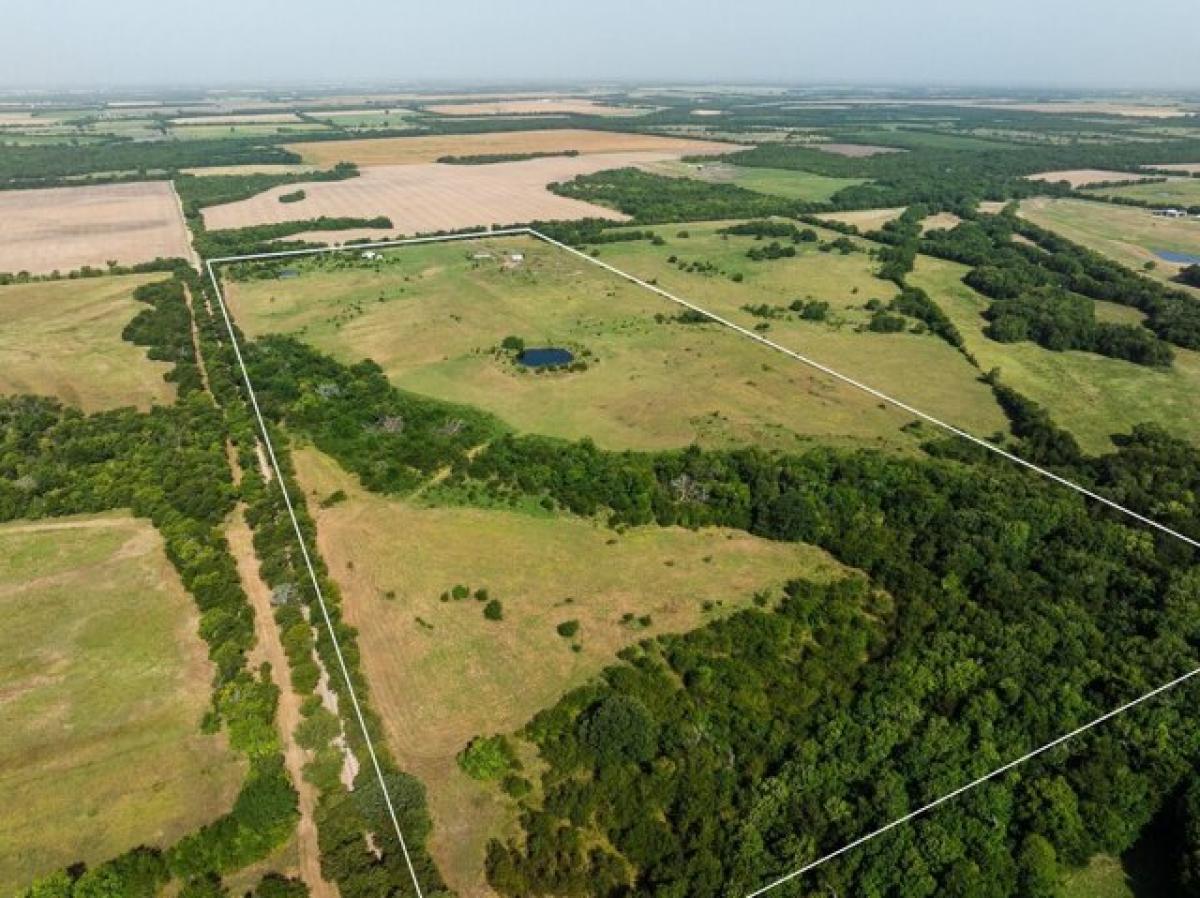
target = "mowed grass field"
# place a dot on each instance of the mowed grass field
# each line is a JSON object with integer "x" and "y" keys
{"x": 63, "y": 338}
{"x": 921, "y": 369}
{"x": 795, "y": 185}
{"x": 441, "y": 673}
{"x": 103, "y": 684}
{"x": 1180, "y": 191}
{"x": 430, "y": 315}
{"x": 1090, "y": 395}
{"x": 1128, "y": 235}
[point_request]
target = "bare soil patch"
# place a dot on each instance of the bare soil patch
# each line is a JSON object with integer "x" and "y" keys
{"x": 416, "y": 150}
{"x": 64, "y": 228}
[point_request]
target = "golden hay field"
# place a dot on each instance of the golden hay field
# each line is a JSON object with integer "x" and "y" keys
{"x": 433, "y": 197}
{"x": 64, "y": 228}
{"x": 415, "y": 150}
{"x": 1080, "y": 177}
{"x": 63, "y": 339}
{"x": 546, "y": 106}
{"x": 442, "y": 674}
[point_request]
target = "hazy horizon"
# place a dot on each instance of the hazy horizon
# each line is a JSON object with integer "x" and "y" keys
{"x": 1020, "y": 44}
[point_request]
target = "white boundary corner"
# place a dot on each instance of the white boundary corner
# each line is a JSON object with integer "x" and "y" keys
{"x": 758, "y": 338}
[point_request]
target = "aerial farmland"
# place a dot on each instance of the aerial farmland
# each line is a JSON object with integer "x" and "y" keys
{"x": 595, "y": 455}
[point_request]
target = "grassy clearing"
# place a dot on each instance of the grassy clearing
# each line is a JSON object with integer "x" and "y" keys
{"x": 1130, "y": 236}
{"x": 1179, "y": 191}
{"x": 63, "y": 338}
{"x": 431, "y": 317}
{"x": 441, "y": 673}
{"x": 865, "y": 219}
{"x": 794, "y": 185}
{"x": 103, "y": 683}
{"x": 1103, "y": 877}
{"x": 1090, "y": 395}
{"x": 919, "y": 368}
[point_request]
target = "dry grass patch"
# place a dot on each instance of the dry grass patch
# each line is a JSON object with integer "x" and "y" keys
{"x": 855, "y": 150}
{"x": 864, "y": 219}
{"x": 441, "y": 673}
{"x": 1081, "y": 177}
{"x": 415, "y": 150}
{"x": 64, "y": 228}
{"x": 103, "y": 684}
{"x": 941, "y": 221}
{"x": 63, "y": 339}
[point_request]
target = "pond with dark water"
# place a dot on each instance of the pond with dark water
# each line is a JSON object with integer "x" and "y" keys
{"x": 545, "y": 357}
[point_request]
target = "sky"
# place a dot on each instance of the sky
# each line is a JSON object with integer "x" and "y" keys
{"x": 999, "y": 43}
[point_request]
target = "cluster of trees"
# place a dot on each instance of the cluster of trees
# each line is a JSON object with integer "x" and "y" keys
{"x": 389, "y": 438}
{"x": 1058, "y": 320}
{"x": 268, "y": 237}
{"x": 1040, "y": 280}
{"x": 1002, "y": 611}
{"x": 1190, "y": 276}
{"x": 653, "y": 199}
{"x": 56, "y": 165}
{"x": 768, "y": 228}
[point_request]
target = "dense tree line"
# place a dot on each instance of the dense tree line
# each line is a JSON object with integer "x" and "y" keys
{"x": 653, "y": 199}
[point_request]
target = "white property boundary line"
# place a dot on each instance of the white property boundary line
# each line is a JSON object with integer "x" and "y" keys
{"x": 758, "y": 338}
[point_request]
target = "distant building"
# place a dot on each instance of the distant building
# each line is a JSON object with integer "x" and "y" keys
{"x": 1171, "y": 213}
{"x": 370, "y": 255}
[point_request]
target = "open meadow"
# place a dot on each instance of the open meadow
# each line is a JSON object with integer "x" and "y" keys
{"x": 442, "y": 673}
{"x": 1182, "y": 192}
{"x": 65, "y": 228}
{"x": 919, "y": 368}
{"x": 63, "y": 339}
{"x": 415, "y": 150}
{"x": 1131, "y": 236}
{"x": 1090, "y": 395}
{"x": 103, "y": 684}
{"x": 433, "y": 316}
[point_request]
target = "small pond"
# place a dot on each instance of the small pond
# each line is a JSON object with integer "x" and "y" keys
{"x": 545, "y": 357}
{"x": 1177, "y": 258}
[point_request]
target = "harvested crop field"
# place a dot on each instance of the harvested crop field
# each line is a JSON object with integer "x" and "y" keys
{"x": 263, "y": 168}
{"x": 433, "y": 197}
{"x": 63, "y": 339}
{"x": 65, "y": 228}
{"x": 855, "y": 150}
{"x": 248, "y": 118}
{"x": 104, "y": 682}
{"x": 416, "y": 150}
{"x": 1081, "y": 177}
{"x": 548, "y": 106}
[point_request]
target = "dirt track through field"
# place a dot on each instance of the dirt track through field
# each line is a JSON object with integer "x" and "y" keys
{"x": 432, "y": 197}
{"x": 64, "y": 228}
{"x": 270, "y": 648}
